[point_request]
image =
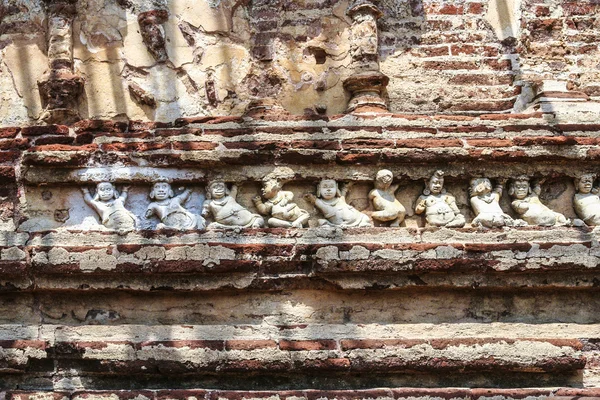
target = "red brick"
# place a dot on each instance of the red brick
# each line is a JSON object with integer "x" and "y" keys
{"x": 249, "y": 344}
{"x": 428, "y": 143}
{"x": 23, "y": 344}
{"x": 136, "y": 126}
{"x": 135, "y": 146}
{"x": 64, "y": 147}
{"x": 489, "y": 142}
{"x": 9, "y": 132}
{"x": 544, "y": 141}
{"x": 445, "y": 9}
{"x": 192, "y": 146}
{"x": 316, "y": 144}
{"x": 96, "y": 125}
{"x": 357, "y": 158}
{"x": 450, "y": 65}
{"x": 229, "y": 132}
{"x": 54, "y": 140}
{"x": 486, "y": 79}
{"x": 496, "y": 117}
{"x": 475, "y": 8}
{"x": 193, "y": 344}
{"x": 9, "y": 156}
{"x": 7, "y": 144}
{"x": 350, "y": 144}
{"x": 45, "y": 130}
{"x": 257, "y": 145}
{"x": 298, "y": 345}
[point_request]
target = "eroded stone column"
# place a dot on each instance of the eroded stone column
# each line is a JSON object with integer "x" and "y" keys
{"x": 60, "y": 87}
{"x": 367, "y": 84}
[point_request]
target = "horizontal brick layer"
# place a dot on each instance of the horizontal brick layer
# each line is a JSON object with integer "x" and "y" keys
{"x": 382, "y": 393}
{"x": 186, "y": 356}
{"x": 528, "y": 256}
{"x": 207, "y": 142}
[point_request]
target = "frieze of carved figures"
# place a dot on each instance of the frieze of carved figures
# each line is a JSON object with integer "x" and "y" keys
{"x": 110, "y": 207}
{"x": 331, "y": 202}
{"x": 485, "y": 202}
{"x": 226, "y": 212}
{"x": 170, "y": 210}
{"x": 439, "y": 206}
{"x": 586, "y": 200}
{"x": 527, "y": 204}
{"x": 383, "y": 196}
{"x": 279, "y": 206}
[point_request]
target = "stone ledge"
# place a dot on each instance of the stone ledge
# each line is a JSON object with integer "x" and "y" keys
{"x": 272, "y": 259}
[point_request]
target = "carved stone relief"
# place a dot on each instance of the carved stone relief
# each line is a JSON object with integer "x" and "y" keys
{"x": 383, "y": 197}
{"x": 168, "y": 207}
{"x": 586, "y": 200}
{"x": 485, "y": 202}
{"x": 225, "y": 211}
{"x": 110, "y": 207}
{"x": 528, "y": 206}
{"x": 284, "y": 213}
{"x": 439, "y": 206}
{"x": 331, "y": 201}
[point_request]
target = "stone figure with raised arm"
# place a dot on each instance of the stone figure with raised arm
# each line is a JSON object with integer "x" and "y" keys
{"x": 485, "y": 202}
{"x": 279, "y": 206}
{"x": 439, "y": 206}
{"x": 331, "y": 201}
{"x": 110, "y": 206}
{"x": 586, "y": 200}
{"x": 383, "y": 196}
{"x": 169, "y": 208}
{"x": 527, "y": 204}
{"x": 226, "y": 212}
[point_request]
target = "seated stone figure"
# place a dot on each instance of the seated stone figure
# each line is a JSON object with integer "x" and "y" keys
{"x": 169, "y": 208}
{"x": 527, "y": 204}
{"x": 331, "y": 201}
{"x": 586, "y": 201}
{"x": 383, "y": 196}
{"x": 226, "y": 212}
{"x": 440, "y": 207}
{"x": 486, "y": 204}
{"x": 110, "y": 206}
{"x": 284, "y": 213}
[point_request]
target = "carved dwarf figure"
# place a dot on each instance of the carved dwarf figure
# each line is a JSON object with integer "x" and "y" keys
{"x": 486, "y": 204}
{"x": 284, "y": 213}
{"x": 227, "y": 213}
{"x": 527, "y": 204}
{"x": 440, "y": 207}
{"x": 169, "y": 208}
{"x": 387, "y": 207}
{"x": 331, "y": 201}
{"x": 110, "y": 206}
{"x": 586, "y": 201}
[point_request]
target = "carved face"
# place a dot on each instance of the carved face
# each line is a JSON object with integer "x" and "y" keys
{"x": 162, "y": 190}
{"x": 270, "y": 189}
{"x": 218, "y": 190}
{"x": 328, "y": 189}
{"x": 384, "y": 178}
{"x": 106, "y": 191}
{"x": 585, "y": 184}
{"x": 436, "y": 185}
{"x": 521, "y": 189}
{"x": 480, "y": 186}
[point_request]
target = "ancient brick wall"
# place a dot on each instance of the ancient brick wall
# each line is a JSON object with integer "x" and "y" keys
{"x": 190, "y": 93}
